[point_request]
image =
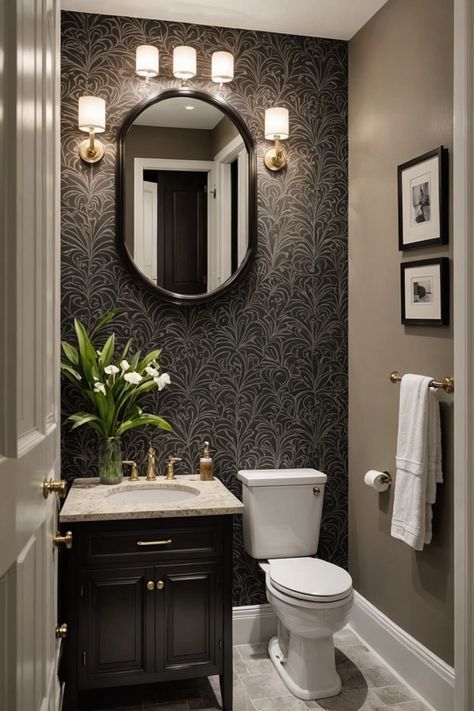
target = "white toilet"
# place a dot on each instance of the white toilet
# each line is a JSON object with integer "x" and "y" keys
{"x": 311, "y": 598}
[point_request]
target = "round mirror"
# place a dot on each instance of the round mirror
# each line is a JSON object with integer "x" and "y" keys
{"x": 186, "y": 194}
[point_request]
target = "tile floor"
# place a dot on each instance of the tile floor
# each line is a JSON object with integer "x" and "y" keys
{"x": 367, "y": 685}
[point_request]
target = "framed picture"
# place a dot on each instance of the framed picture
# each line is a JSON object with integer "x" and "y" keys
{"x": 425, "y": 292}
{"x": 423, "y": 200}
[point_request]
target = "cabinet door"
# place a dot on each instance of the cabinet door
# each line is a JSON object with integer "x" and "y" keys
{"x": 116, "y": 627}
{"x": 189, "y": 617}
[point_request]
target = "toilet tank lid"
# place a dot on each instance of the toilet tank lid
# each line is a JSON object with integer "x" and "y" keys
{"x": 281, "y": 477}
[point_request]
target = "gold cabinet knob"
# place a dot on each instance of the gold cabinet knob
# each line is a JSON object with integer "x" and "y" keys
{"x": 61, "y": 631}
{"x": 65, "y": 540}
{"x": 316, "y": 490}
{"x": 150, "y": 585}
{"x": 58, "y": 487}
{"x": 160, "y": 585}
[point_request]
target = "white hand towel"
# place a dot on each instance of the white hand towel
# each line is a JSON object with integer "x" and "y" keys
{"x": 418, "y": 461}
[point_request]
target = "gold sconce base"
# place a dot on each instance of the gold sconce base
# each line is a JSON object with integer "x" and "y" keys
{"x": 275, "y": 159}
{"x": 91, "y": 155}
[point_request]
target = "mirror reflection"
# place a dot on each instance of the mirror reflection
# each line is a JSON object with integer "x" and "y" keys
{"x": 186, "y": 181}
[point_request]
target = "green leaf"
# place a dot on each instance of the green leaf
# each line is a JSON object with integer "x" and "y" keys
{"x": 68, "y": 369}
{"x": 153, "y": 355}
{"x": 102, "y": 322}
{"x": 141, "y": 421}
{"x": 107, "y": 352}
{"x": 88, "y": 356}
{"x": 125, "y": 350}
{"x": 70, "y": 352}
{"x": 86, "y": 418}
{"x": 134, "y": 361}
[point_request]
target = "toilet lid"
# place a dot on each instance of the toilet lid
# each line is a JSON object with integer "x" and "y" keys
{"x": 310, "y": 579}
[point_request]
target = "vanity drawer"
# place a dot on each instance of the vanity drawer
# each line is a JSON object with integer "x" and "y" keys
{"x": 107, "y": 545}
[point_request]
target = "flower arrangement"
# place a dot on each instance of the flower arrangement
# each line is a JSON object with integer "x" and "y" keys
{"x": 111, "y": 384}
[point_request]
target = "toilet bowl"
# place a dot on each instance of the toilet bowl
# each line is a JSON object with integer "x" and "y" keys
{"x": 309, "y": 613}
{"x": 311, "y": 598}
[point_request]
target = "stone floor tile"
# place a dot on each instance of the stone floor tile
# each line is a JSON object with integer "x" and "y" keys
{"x": 396, "y": 694}
{"x": 281, "y": 704}
{"x": 252, "y": 652}
{"x": 257, "y": 666}
{"x": 265, "y": 686}
{"x": 356, "y": 654}
{"x": 350, "y": 700}
{"x": 409, "y": 706}
{"x": 380, "y": 676}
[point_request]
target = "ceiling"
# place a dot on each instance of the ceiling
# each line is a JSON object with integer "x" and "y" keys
{"x": 338, "y": 19}
{"x": 173, "y": 113}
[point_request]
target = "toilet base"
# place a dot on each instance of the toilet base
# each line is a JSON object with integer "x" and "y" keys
{"x": 281, "y": 663}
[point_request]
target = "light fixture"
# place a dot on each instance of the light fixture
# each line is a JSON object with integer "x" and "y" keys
{"x": 184, "y": 62}
{"x": 147, "y": 61}
{"x": 222, "y": 67}
{"x": 91, "y": 118}
{"x": 276, "y": 129}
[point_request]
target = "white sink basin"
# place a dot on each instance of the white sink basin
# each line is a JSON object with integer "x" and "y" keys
{"x": 155, "y": 495}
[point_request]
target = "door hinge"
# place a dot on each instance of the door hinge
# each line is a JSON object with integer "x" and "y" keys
{"x": 84, "y": 658}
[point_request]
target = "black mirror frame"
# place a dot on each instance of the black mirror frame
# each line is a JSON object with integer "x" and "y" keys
{"x": 252, "y": 203}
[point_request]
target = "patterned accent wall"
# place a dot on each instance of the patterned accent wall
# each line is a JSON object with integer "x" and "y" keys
{"x": 261, "y": 372}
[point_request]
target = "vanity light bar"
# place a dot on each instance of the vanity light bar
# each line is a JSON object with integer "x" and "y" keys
{"x": 184, "y": 63}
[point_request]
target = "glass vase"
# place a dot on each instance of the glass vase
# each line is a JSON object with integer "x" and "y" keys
{"x": 110, "y": 461}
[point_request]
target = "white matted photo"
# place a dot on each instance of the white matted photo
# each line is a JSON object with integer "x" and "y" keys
{"x": 425, "y": 292}
{"x": 422, "y": 200}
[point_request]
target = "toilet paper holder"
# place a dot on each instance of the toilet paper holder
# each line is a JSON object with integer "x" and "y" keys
{"x": 379, "y": 480}
{"x": 387, "y": 478}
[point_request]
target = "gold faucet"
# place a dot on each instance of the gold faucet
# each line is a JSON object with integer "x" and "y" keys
{"x": 151, "y": 468}
{"x": 170, "y": 467}
{"x": 134, "y": 472}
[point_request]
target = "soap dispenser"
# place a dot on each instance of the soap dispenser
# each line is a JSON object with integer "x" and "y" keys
{"x": 206, "y": 465}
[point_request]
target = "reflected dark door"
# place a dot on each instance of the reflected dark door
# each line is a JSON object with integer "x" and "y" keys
{"x": 182, "y": 231}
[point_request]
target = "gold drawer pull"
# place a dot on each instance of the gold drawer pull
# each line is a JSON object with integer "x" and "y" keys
{"x": 150, "y": 585}
{"x": 160, "y": 585}
{"x": 155, "y": 543}
{"x": 65, "y": 540}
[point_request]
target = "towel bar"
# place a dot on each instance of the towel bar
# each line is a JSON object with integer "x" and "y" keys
{"x": 447, "y": 384}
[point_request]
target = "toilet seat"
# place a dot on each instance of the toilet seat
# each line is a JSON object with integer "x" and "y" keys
{"x": 310, "y": 579}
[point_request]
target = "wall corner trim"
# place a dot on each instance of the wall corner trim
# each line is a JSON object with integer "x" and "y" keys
{"x": 426, "y": 673}
{"x": 252, "y": 624}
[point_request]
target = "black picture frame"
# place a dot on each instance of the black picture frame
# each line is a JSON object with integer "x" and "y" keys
{"x": 411, "y": 216}
{"x": 435, "y": 311}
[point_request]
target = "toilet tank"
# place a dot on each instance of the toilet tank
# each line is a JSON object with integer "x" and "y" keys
{"x": 282, "y": 512}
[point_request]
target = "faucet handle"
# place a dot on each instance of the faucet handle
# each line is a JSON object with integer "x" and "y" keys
{"x": 134, "y": 472}
{"x": 170, "y": 466}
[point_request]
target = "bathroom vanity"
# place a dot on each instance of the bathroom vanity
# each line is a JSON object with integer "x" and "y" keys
{"x": 147, "y": 585}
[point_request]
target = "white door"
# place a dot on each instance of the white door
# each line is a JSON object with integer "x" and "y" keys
{"x": 145, "y": 249}
{"x": 29, "y": 340}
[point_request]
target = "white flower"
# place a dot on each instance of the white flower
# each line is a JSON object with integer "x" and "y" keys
{"x": 99, "y": 353}
{"x": 111, "y": 369}
{"x": 151, "y": 371}
{"x": 99, "y": 388}
{"x": 133, "y": 377}
{"x": 125, "y": 365}
{"x": 162, "y": 380}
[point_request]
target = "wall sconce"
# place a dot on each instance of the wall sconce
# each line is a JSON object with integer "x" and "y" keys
{"x": 222, "y": 67}
{"x": 184, "y": 62}
{"x": 276, "y": 129}
{"x": 91, "y": 118}
{"x": 147, "y": 63}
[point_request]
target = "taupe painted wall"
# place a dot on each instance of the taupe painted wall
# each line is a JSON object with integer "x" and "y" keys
{"x": 400, "y": 106}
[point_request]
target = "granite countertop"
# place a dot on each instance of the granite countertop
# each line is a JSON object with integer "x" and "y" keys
{"x": 89, "y": 500}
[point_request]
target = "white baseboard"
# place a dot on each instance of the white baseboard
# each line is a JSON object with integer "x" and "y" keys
{"x": 253, "y": 624}
{"x": 426, "y": 673}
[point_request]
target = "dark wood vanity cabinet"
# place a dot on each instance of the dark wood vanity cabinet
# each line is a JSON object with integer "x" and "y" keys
{"x": 147, "y": 601}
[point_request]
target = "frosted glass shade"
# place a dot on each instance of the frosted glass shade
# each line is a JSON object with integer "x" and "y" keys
{"x": 91, "y": 115}
{"x": 276, "y": 123}
{"x": 184, "y": 62}
{"x": 222, "y": 67}
{"x": 147, "y": 61}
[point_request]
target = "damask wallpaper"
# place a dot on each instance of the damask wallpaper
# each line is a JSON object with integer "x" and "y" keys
{"x": 261, "y": 372}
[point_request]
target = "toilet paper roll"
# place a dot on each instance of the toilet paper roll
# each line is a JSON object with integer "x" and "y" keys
{"x": 377, "y": 480}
